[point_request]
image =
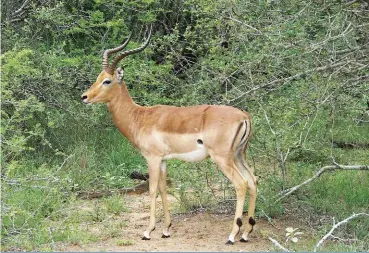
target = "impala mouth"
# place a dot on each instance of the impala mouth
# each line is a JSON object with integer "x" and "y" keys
{"x": 85, "y": 100}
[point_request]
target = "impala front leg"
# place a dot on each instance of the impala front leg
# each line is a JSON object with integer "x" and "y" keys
{"x": 164, "y": 198}
{"x": 154, "y": 174}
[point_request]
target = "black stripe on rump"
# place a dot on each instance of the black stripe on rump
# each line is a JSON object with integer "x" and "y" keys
{"x": 238, "y": 130}
{"x": 244, "y": 134}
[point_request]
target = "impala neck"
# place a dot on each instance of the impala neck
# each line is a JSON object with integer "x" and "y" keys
{"x": 123, "y": 110}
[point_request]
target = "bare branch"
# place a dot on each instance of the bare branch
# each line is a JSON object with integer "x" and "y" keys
{"x": 336, "y": 226}
{"x": 277, "y": 244}
{"x": 290, "y": 78}
{"x": 351, "y": 2}
{"x": 336, "y": 166}
{"x": 19, "y": 14}
{"x": 21, "y": 9}
{"x": 243, "y": 23}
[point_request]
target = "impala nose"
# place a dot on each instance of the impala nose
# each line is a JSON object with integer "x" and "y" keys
{"x": 83, "y": 97}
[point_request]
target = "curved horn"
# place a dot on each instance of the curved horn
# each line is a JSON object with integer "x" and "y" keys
{"x": 105, "y": 61}
{"x": 118, "y": 58}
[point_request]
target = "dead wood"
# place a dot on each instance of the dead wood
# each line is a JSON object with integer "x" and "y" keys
{"x": 139, "y": 175}
{"x": 335, "y": 166}
{"x": 350, "y": 145}
{"x": 138, "y": 189}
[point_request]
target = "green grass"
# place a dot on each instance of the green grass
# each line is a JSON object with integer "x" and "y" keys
{"x": 115, "y": 204}
{"x": 40, "y": 207}
{"x": 124, "y": 242}
{"x": 79, "y": 223}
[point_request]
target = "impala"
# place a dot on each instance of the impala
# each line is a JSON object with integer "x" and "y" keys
{"x": 187, "y": 133}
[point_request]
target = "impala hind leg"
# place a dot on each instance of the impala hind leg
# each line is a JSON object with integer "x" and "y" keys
{"x": 252, "y": 187}
{"x": 164, "y": 198}
{"x": 154, "y": 175}
{"x": 230, "y": 170}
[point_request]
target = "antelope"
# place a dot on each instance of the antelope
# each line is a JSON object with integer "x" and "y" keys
{"x": 191, "y": 134}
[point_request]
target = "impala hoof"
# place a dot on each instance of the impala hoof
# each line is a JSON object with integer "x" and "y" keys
{"x": 165, "y": 236}
{"x": 243, "y": 240}
{"x": 229, "y": 242}
{"x": 145, "y": 238}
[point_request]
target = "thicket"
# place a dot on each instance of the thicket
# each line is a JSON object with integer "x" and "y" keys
{"x": 299, "y": 67}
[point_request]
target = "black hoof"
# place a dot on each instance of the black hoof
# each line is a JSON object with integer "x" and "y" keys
{"x": 243, "y": 240}
{"x": 145, "y": 238}
{"x": 229, "y": 242}
{"x": 165, "y": 236}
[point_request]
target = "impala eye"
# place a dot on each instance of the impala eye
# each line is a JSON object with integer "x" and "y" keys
{"x": 107, "y": 82}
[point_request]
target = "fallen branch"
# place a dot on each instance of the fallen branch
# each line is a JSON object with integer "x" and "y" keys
{"x": 139, "y": 175}
{"x": 336, "y": 226}
{"x": 277, "y": 244}
{"x": 138, "y": 189}
{"x": 289, "y": 191}
{"x": 350, "y": 145}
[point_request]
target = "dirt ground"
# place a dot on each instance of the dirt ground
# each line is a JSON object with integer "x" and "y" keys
{"x": 198, "y": 231}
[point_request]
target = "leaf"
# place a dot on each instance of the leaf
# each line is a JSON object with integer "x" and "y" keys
{"x": 299, "y": 233}
{"x": 289, "y": 229}
{"x": 295, "y": 239}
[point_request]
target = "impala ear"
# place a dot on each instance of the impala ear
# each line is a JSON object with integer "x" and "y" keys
{"x": 119, "y": 72}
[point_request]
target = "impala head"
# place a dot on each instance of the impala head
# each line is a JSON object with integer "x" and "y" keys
{"x": 110, "y": 77}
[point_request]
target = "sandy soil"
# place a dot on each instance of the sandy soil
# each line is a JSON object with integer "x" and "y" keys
{"x": 198, "y": 231}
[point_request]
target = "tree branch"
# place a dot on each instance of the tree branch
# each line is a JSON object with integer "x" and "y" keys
{"x": 336, "y": 226}
{"x": 290, "y": 78}
{"x": 243, "y": 23}
{"x": 277, "y": 244}
{"x": 289, "y": 191}
{"x": 21, "y": 9}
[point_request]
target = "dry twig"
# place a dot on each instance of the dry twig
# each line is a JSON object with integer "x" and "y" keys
{"x": 277, "y": 244}
{"x": 336, "y": 226}
{"x": 336, "y": 166}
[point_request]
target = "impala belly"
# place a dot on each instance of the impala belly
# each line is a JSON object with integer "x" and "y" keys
{"x": 193, "y": 156}
{"x": 185, "y": 147}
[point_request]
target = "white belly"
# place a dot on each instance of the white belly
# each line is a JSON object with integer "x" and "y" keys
{"x": 193, "y": 156}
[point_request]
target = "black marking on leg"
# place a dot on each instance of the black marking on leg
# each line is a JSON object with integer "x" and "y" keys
{"x": 199, "y": 141}
{"x": 239, "y": 222}
{"x": 153, "y": 229}
{"x": 145, "y": 238}
{"x": 243, "y": 240}
{"x": 229, "y": 242}
{"x": 252, "y": 229}
{"x": 170, "y": 225}
{"x": 165, "y": 236}
{"x": 252, "y": 221}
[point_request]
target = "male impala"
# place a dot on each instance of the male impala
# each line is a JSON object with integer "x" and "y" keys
{"x": 187, "y": 133}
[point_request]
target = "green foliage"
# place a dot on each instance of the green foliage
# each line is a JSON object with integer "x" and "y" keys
{"x": 18, "y": 126}
{"x": 125, "y": 242}
{"x": 115, "y": 204}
